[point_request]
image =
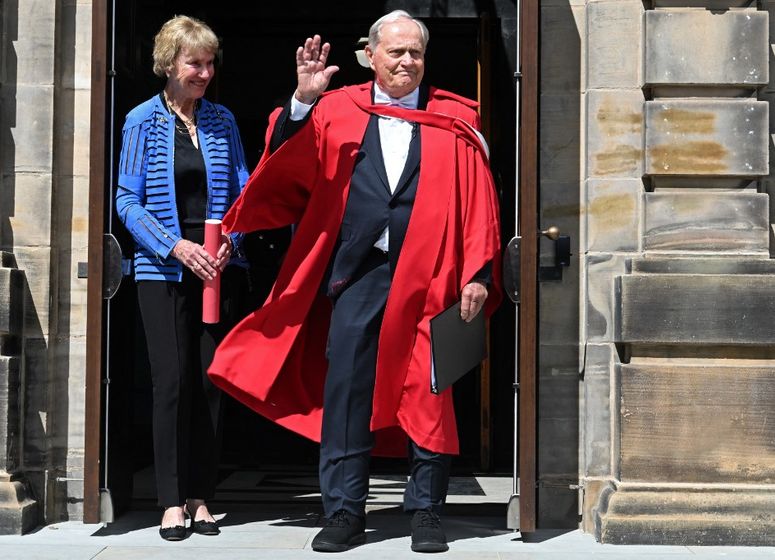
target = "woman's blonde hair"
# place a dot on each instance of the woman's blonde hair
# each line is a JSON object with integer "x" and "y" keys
{"x": 177, "y": 33}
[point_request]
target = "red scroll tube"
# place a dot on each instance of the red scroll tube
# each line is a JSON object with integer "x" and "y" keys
{"x": 211, "y": 296}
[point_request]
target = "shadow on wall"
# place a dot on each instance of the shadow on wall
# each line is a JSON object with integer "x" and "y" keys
{"x": 65, "y": 484}
{"x": 560, "y": 192}
{"x": 8, "y": 34}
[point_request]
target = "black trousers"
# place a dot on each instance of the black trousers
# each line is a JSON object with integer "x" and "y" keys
{"x": 186, "y": 405}
{"x": 346, "y": 439}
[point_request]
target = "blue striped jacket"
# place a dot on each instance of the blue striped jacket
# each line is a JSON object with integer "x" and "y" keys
{"x": 145, "y": 197}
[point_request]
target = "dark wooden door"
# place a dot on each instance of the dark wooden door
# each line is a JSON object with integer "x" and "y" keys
{"x": 529, "y": 231}
{"x": 243, "y": 32}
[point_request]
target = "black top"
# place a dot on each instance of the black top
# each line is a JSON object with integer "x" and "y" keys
{"x": 190, "y": 183}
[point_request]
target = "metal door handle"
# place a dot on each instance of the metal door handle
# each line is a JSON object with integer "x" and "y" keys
{"x": 552, "y": 233}
{"x": 562, "y": 255}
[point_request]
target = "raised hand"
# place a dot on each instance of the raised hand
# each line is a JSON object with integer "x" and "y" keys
{"x": 311, "y": 72}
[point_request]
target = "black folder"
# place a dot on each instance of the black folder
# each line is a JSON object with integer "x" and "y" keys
{"x": 457, "y": 346}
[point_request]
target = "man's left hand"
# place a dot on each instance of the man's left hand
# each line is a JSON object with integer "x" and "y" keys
{"x": 472, "y": 300}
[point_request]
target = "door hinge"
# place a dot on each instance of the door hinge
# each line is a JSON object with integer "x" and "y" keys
{"x": 112, "y": 266}
{"x": 511, "y": 269}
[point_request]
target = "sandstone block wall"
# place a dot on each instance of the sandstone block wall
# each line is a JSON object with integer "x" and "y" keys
{"x": 678, "y": 355}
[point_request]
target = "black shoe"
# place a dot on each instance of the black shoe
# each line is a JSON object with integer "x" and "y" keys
{"x": 203, "y": 527}
{"x": 427, "y": 534}
{"x": 342, "y": 530}
{"x": 176, "y": 533}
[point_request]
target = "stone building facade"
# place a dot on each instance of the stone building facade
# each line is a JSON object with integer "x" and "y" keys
{"x": 656, "y": 353}
{"x": 45, "y": 96}
{"x": 676, "y": 276}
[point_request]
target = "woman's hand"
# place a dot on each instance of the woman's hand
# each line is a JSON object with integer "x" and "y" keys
{"x": 311, "y": 72}
{"x": 196, "y": 258}
{"x": 224, "y": 252}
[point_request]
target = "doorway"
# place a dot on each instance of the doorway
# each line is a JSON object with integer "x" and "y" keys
{"x": 254, "y": 74}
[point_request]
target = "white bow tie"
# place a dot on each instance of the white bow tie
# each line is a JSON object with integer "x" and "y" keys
{"x": 405, "y": 102}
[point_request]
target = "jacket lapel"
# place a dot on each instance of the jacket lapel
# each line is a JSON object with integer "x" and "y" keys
{"x": 371, "y": 148}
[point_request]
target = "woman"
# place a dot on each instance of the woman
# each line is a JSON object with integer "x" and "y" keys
{"x": 181, "y": 162}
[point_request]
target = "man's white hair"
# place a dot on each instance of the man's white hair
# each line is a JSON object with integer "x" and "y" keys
{"x": 395, "y": 15}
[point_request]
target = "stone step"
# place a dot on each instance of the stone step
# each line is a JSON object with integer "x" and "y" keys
{"x": 703, "y": 530}
{"x": 680, "y": 517}
{"x": 690, "y": 502}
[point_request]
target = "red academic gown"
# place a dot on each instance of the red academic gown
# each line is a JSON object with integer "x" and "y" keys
{"x": 274, "y": 360}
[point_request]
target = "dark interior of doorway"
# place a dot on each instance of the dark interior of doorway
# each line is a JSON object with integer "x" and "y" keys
{"x": 255, "y": 73}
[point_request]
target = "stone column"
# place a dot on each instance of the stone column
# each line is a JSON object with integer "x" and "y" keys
{"x": 18, "y": 513}
{"x": 612, "y": 199}
{"x": 44, "y": 166}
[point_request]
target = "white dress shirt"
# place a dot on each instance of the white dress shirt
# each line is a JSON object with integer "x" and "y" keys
{"x": 394, "y": 137}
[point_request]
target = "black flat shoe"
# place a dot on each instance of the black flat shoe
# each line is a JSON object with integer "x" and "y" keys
{"x": 205, "y": 527}
{"x": 176, "y": 533}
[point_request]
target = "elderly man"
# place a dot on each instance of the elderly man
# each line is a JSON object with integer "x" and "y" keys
{"x": 397, "y": 219}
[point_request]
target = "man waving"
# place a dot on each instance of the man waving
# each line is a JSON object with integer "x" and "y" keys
{"x": 397, "y": 219}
